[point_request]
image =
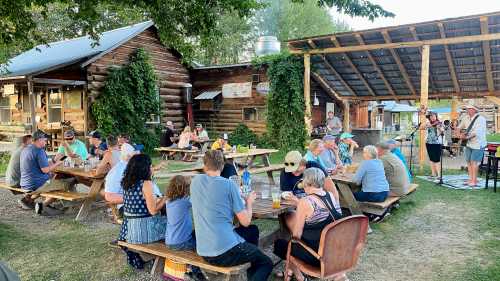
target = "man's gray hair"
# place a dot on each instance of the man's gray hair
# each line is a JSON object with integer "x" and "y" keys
{"x": 314, "y": 177}
{"x": 371, "y": 150}
{"x": 383, "y": 145}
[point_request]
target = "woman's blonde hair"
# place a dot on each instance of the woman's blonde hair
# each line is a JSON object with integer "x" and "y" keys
{"x": 371, "y": 150}
{"x": 315, "y": 144}
{"x": 187, "y": 129}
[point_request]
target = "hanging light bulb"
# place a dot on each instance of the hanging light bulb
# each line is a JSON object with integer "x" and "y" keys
{"x": 316, "y": 100}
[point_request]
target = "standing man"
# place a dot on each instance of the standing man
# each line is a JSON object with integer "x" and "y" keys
{"x": 475, "y": 134}
{"x": 97, "y": 145}
{"x": 333, "y": 124}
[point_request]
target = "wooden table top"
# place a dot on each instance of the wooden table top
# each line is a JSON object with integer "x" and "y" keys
{"x": 78, "y": 172}
{"x": 173, "y": 149}
{"x": 251, "y": 152}
{"x": 264, "y": 208}
{"x": 344, "y": 178}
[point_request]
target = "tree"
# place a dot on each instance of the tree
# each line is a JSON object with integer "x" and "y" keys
{"x": 181, "y": 23}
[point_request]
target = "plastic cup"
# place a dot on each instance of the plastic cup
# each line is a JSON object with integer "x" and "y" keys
{"x": 276, "y": 195}
{"x": 264, "y": 193}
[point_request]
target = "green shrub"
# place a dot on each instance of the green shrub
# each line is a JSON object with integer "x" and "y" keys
{"x": 242, "y": 135}
{"x": 129, "y": 99}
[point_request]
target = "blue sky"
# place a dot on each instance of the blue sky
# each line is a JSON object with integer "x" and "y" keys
{"x": 413, "y": 11}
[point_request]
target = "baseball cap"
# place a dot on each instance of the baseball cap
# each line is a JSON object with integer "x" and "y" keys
{"x": 170, "y": 123}
{"x": 39, "y": 135}
{"x": 199, "y": 126}
{"x": 224, "y": 136}
{"x": 391, "y": 141}
{"x": 292, "y": 161}
{"x": 69, "y": 134}
{"x": 328, "y": 138}
{"x": 346, "y": 136}
{"x": 94, "y": 134}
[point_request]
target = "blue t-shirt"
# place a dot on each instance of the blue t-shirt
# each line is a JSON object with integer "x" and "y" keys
{"x": 216, "y": 201}
{"x": 33, "y": 159}
{"x": 310, "y": 157}
{"x": 329, "y": 159}
{"x": 179, "y": 223}
{"x": 371, "y": 176}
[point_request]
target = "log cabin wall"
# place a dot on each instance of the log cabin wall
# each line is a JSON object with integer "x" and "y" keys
{"x": 231, "y": 111}
{"x": 171, "y": 74}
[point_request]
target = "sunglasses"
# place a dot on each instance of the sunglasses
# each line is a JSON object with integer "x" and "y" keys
{"x": 290, "y": 164}
{"x": 69, "y": 138}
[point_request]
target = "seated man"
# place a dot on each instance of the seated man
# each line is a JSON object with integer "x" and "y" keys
{"x": 221, "y": 143}
{"x": 13, "y": 172}
{"x": 330, "y": 154}
{"x": 315, "y": 149}
{"x": 395, "y": 171}
{"x": 169, "y": 136}
{"x": 201, "y": 133}
{"x": 35, "y": 170}
{"x": 396, "y": 151}
{"x": 97, "y": 145}
{"x": 291, "y": 177}
{"x": 72, "y": 147}
{"x": 216, "y": 201}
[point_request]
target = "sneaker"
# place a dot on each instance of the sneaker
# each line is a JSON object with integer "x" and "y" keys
{"x": 113, "y": 243}
{"x": 26, "y": 205}
{"x": 38, "y": 208}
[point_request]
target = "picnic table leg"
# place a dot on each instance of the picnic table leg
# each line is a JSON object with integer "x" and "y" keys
{"x": 267, "y": 163}
{"x": 158, "y": 266}
{"x": 346, "y": 194}
{"x": 94, "y": 191}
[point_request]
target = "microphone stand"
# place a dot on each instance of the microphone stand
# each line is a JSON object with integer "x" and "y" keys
{"x": 412, "y": 136}
{"x": 441, "y": 159}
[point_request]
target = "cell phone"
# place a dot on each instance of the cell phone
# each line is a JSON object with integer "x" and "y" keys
{"x": 63, "y": 158}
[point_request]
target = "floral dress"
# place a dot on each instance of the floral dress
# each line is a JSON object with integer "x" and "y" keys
{"x": 345, "y": 154}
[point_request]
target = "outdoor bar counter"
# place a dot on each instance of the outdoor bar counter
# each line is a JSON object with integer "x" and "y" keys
{"x": 366, "y": 136}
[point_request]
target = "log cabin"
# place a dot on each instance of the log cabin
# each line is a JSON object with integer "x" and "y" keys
{"x": 227, "y": 95}
{"x": 65, "y": 78}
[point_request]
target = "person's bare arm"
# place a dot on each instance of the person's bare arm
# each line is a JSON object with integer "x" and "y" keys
{"x": 330, "y": 186}
{"x": 105, "y": 164}
{"x": 153, "y": 205}
{"x": 114, "y": 198}
{"x": 245, "y": 216}
{"x": 304, "y": 210}
{"x": 51, "y": 167}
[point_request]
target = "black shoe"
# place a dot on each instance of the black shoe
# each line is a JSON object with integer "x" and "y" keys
{"x": 196, "y": 274}
{"x": 38, "y": 208}
{"x": 25, "y": 204}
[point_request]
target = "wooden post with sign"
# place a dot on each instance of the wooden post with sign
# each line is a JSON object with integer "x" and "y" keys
{"x": 347, "y": 115}
{"x": 307, "y": 93}
{"x": 32, "y": 96}
{"x": 424, "y": 95}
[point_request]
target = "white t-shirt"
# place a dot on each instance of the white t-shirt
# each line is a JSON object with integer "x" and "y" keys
{"x": 479, "y": 130}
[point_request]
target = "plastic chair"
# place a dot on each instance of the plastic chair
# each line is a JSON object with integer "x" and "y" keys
{"x": 340, "y": 245}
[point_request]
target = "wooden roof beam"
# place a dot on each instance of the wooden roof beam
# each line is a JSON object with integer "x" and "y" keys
{"x": 377, "y": 68}
{"x": 464, "y": 95}
{"x": 487, "y": 54}
{"x": 332, "y": 69}
{"x": 449, "y": 60}
{"x": 413, "y": 32}
{"x": 353, "y": 66}
{"x": 409, "y": 44}
{"x": 401, "y": 67}
{"x": 323, "y": 84}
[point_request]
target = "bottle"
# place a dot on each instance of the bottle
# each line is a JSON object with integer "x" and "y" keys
{"x": 246, "y": 180}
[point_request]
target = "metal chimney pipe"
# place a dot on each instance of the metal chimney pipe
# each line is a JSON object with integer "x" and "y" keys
{"x": 187, "y": 92}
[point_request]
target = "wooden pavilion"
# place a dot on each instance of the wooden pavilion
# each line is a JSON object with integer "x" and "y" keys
{"x": 445, "y": 59}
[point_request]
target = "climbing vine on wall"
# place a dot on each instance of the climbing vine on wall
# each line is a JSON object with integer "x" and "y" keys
{"x": 129, "y": 99}
{"x": 285, "y": 102}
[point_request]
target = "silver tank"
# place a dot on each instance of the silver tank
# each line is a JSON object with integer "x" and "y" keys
{"x": 267, "y": 45}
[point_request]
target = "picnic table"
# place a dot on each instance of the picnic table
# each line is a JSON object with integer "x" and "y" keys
{"x": 89, "y": 178}
{"x": 346, "y": 186}
{"x": 167, "y": 150}
{"x": 262, "y": 208}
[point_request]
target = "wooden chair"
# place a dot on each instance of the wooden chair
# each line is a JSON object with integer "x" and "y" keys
{"x": 340, "y": 245}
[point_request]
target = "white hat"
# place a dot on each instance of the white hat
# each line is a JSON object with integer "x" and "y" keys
{"x": 470, "y": 106}
{"x": 126, "y": 152}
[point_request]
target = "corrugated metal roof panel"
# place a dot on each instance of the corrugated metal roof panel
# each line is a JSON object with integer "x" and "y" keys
{"x": 208, "y": 95}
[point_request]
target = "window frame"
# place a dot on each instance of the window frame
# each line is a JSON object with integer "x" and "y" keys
{"x": 258, "y": 117}
{"x": 49, "y": 105}
{"x": 155, "y": 119}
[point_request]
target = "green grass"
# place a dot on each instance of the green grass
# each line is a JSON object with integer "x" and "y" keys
{"x": 493, "y": 137}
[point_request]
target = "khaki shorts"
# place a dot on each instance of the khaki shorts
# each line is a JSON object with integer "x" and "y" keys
{"x": 56, "y": 184}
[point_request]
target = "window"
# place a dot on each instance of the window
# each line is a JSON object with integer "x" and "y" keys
{"x": 155, "y": 118}
{"x": 254, "y": 114}
{"x": 26, "y": 101}
{"x": 55, "y": 105}
{"x": 5, "y": 109}
{"x": 73, "y": 99}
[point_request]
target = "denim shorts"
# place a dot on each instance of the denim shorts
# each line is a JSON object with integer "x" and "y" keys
{"x": 475, "y": 155}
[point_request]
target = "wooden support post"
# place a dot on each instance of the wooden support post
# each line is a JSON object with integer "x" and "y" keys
{"x": 424, "y": 94}
{"x": 307, "y": 93}
{"x": 32, "y": 96}
{"x": 347, "y": 109}
{"x": 454, "y": 108}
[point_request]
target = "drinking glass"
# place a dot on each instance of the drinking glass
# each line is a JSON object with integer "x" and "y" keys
{"x": 276, "y": 195}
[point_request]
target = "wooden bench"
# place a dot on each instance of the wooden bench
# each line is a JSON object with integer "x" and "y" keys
{"x": 161, "y": 252}
{"x": 265, "y": 169}
{"x": 379, "y": 208}
{"x": 61, "y": 195}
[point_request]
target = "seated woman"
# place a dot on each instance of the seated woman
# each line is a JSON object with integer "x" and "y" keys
{"x": 185, "y": 142}
{"x": 142, "y": 222}
{"x": 370, "y": 175}
{"x": 315, "y": 148}
{"x": 314, "y": 212}
{"x": 346, "y": 148}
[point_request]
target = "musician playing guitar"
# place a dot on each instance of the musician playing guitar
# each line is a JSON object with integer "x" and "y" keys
{"x": 475, "y": 138}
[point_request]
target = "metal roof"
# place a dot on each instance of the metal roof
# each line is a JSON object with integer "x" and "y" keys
{"x": 398, "y": 107}
{"x": 208, "y": 95}
{"x": 217, "y": 66}
{"x": 385, "y": 63}
{"x": 54, "y": 55}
